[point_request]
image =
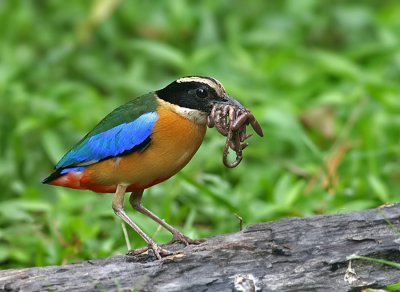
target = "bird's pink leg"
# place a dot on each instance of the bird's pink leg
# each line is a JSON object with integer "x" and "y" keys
{"x": 136, "y": 201}
{"x": 118, "y": 207}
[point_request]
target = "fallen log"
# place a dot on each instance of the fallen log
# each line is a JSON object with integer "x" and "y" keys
{"x": 294, "y": 254}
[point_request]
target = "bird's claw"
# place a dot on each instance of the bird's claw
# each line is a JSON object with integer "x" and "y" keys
{"x": 179, "y": 237}
{"x": 158, "y": 251}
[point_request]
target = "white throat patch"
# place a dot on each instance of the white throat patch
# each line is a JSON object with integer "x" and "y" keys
{"x": 194, "y": 115}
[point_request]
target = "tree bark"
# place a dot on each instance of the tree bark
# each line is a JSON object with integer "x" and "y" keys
{"x": 294, "y": 254}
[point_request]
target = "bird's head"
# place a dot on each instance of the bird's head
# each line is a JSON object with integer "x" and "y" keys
{"x": 196, "y": 95}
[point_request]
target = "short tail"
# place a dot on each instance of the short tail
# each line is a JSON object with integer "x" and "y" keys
{"x": 66, "y": 177}
{"x": 56, "y": 174}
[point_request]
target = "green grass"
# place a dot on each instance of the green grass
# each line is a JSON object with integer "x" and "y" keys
{"x": 323, "y": 79}
{"x": 391, "y": 287}
{"x": 379, "y": 261}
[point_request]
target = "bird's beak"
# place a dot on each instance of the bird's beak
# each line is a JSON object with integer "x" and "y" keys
{"x": 228, "y": 100}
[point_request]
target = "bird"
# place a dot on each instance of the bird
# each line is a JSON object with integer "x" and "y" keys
{"x": 140, "y": 144}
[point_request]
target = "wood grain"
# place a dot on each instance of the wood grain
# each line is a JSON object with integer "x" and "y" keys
{"x": 294, "y": 254}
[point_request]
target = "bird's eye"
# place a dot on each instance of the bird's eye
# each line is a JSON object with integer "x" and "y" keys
{"x": 202, "y": 93}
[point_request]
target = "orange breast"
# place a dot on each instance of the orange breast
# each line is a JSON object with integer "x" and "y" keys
{"x": 174, "y": 141}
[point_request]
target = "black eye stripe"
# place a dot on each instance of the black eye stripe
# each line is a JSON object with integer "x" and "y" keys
{"x": 202, "y": 93}
{"x": 184, "y": 94}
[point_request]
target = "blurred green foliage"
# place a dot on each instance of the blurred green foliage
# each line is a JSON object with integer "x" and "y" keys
{"x": 323, "y": 78}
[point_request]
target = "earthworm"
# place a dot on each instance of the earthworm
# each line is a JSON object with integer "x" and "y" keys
{"x": 231, "y": 121}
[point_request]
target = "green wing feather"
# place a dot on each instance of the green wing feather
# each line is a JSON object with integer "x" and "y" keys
{"x": 121, "y": 130}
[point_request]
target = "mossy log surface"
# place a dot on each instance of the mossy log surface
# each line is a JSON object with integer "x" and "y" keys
{"x": 294, "y": 254}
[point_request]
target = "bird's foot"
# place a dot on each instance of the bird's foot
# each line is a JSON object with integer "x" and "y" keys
{"x": 158, "y": 251}
{"x": 179, "y": 237}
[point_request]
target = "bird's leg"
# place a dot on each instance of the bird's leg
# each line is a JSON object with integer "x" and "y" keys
{"x": 118, "y": 207}
{"x": 136, "y": 201}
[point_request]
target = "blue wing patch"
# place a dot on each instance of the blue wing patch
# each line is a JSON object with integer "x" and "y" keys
{"x": 112, "y": 142}
{"x": 72, "y": 169}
